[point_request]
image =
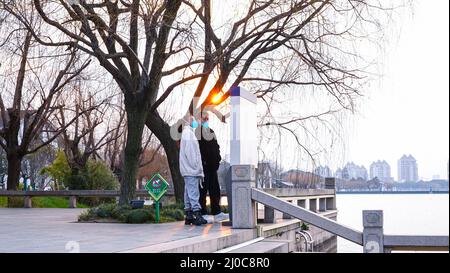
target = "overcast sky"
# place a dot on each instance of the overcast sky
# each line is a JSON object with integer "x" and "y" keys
{"x": 404, "y": 111}
{"x": 408, "y": 111}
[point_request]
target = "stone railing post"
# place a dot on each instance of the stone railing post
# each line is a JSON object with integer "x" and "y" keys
{"x": 27, "y": 203}
{"x": 72, "y": 202}
{"x": 322, "y": 204}
{"x": 373, "y": 241}
{"x": 301, "y": 203}
{"x": 331, "y": 203}
{"x": 330, "y": 184}
{"x": 243, "y": 207}
{"x": 269, "y": 215}
{"x": 313, "y": 204}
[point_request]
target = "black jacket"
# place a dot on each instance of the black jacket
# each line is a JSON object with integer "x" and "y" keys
{"x": 209, "y": 148}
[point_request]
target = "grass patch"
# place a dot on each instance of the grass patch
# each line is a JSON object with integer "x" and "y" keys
{"x": 3, "y": 201}
{"x": 125, "y": 214}
{"x": 42, "y": 202}
{"x": 54, "y": 202}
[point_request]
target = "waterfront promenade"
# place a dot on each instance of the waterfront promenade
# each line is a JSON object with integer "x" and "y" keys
{"x": 57, "y": 230}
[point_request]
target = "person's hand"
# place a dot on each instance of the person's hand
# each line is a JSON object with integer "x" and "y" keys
{"x": 201, "y": 181}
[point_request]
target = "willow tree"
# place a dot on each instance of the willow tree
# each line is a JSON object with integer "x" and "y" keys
{"x": 152, "y": 48}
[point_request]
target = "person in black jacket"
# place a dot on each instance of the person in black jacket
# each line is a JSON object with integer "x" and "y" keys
{"x": 210, "y": 152}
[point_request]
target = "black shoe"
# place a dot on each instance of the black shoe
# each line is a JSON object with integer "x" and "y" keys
{"x": 189, "y": 217}
{"x": 198, "y": 219}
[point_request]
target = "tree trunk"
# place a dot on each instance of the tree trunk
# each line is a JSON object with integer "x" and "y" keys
{"x": 162, "y": 131}
{"x": 173, "y": 157}
{"x": 14, "y": 165}
{"x": 135, "y": 125}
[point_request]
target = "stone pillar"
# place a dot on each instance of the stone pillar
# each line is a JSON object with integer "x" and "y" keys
{"x": 322, "y": 204}
{"x": 228, "y": 187}
{"x": 301, "y": 203}
{"x": 269, "y": 215}
{"x": 27, "y": 202}
{"x": 331, "y": 203}
{"x": 243, "y": 127}
{"x": 373, "y": 241}
{"x": 313, "y": 204}
{"x": 287, "y": 216}
{"x": 330, "y": 183}
{"x": 243, "y": 207}
{"x": 72, "y": 202}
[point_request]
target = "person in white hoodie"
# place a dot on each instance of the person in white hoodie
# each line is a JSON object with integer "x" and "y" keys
{"x": 191, "y": 169}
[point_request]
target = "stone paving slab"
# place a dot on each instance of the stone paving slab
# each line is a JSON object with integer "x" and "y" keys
{"x": 57, "y": 230}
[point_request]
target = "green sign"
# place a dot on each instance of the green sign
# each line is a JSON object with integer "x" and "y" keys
{"x": 156, "y": 186}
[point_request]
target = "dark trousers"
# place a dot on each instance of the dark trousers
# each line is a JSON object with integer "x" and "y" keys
{"x": 211, "y": 185}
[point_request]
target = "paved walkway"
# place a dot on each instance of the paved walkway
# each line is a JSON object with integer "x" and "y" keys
{"x": 57, "y": 230}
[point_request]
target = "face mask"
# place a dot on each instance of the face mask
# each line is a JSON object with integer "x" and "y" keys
{"x": 194, "y": 124}
{"x": 205, "y": 124}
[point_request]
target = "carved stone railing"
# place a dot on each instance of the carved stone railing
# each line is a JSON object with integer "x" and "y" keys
{"x": 245, "y": 196}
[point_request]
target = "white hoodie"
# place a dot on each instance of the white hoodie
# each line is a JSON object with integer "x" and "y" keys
{"x": 190, "y": 157}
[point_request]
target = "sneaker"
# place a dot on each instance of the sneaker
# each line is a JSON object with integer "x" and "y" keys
{"x": 221, "y": 217}
{"x": 188, "y": 220}
{"x": 198, "y": 219}
{"x": 208, "y": 218}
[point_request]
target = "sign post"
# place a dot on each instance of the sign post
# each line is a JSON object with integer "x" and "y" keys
{"x": 157, "y": 187}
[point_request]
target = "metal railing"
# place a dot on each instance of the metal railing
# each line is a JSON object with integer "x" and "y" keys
{"x": 309, "y": 241}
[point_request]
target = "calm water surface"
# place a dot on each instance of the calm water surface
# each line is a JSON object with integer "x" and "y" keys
{"x": 404, "y": 214}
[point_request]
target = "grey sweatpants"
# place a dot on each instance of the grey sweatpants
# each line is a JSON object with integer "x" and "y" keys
{"x": 192, "y": 193}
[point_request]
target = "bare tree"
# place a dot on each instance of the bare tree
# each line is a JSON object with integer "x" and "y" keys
{"x": 26, "y": 121}
{"x": 145, "y": 43}
{"x": 85, "y": 138}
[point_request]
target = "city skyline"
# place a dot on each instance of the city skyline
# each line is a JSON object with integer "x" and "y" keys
{"x": 407, "y": 112}
{"x": 353, "y": 172}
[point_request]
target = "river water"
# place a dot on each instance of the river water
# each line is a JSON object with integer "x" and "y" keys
{"x": 404, "y": 214}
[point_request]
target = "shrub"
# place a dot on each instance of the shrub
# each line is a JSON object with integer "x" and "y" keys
{"x": 59, "y": 170}
{"x": 85, "y": 216}
{"x": 76, "y": 182}
{"x": 105, "y": 210}
{"x": 125, "y": 214}
{"x": 304, "y": 226}
{"x": 96, "y": 175}
{"x": 174, "y": 213}
{"x": 139, "y": 216}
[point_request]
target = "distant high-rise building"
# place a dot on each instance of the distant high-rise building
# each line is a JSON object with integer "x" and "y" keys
{"x": 338, "y": 173}
{"x": 407, "y": 169}
{"x": 323, "y": 171}
{"x": 381, "y": 170}
{"x": 353, "y": 171}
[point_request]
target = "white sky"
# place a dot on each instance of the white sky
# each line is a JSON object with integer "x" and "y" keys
{"x": 405, "y": 110}
{"x": 408, "y": 112}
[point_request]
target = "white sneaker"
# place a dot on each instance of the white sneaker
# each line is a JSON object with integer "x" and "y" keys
{"x": 208, "y": 218}
{"x": 221, "y": 217}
